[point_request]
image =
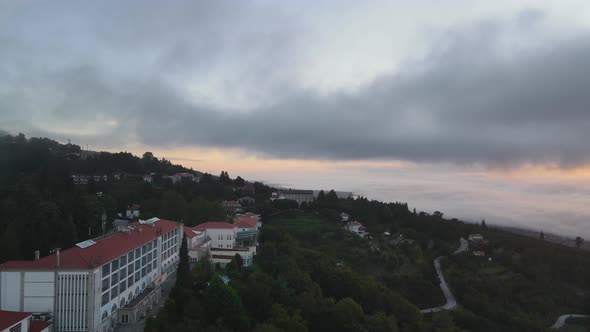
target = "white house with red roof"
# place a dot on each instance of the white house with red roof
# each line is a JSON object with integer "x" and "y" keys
{"x": 221, "y": 241}
{"x": 356, "y": 228}
{"x": 97, "y": 283}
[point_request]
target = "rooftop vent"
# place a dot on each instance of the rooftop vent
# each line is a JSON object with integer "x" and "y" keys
{"x": 85, "y": 244}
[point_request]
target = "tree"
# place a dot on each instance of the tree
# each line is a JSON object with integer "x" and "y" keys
{"x": 483, "y": 223}
{"x": 349, "y": 315}
{"x": 183, "y": 274}
{"x": 222, "y": 302}
{"x": 579, "y": 242}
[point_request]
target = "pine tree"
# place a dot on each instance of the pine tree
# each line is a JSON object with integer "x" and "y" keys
{"x": 183, "y": 274}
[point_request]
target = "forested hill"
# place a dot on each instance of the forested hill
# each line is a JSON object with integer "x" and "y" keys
{"x": 41, "y": 208}
{"x": 22, "y": 156}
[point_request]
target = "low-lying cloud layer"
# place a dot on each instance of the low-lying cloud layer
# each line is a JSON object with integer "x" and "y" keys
{"x": 494, "y": 91}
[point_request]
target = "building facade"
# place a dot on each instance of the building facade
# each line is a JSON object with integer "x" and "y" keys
{"x": 221, "y": 241}
{"x": 299, "y": 196}
{"x": 85, "y": 287}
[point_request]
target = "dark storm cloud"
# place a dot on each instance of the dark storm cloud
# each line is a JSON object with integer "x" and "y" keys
{"x": 466, "y": 102}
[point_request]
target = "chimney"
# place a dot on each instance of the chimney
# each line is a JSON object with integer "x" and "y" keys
{"x": 57, "y": 256}
{"x": 37, "y": 253}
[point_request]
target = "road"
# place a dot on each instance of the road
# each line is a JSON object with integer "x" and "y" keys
{"x": 561, "y": 320}
{"x": 450, "y": 298}
{"x": 464, "y": 245}
{"x": 451, "y": 302}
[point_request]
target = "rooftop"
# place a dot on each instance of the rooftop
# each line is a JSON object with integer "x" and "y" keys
{"x": 214, "y": 225}
{"x": 101, "y": 252}
{"x": 38, "y": 325}
{"x": 9, "y": 318}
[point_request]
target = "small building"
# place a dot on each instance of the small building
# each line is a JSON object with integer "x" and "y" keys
{"x": 182, "y": 177}
{"x": 356, "y": 228}
{"x": 231, "y": 206}
{"x": 148, "y": 178}
{"x": 246, "y": 201}
{"x": 132, "y": 211}
{"x": 344, "y": 216}
{"x": 15, "y": 321}
{"x": 475, "y": 238}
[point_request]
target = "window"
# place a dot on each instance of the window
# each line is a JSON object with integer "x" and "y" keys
{"x": 136, "y": 265}
{"x": 143, "y": 249}
{"x": 114, "y": 265}
{"x": 220, "y": 237}
{"x": 123, "y": 260}
{"x": 122, "y": 273}
{"x": 154, "y": 264}
{"x": 229, "y": 237}
{"x": 114, "y": 292}
{"x": 137, "y": 276}
{"x": 130, "y": 269}
{"x": 149, "y": 256}
{"x": 16, "y": 328}
{"x": 137, "y": 253}
{"x": 143, "y": 271}
{"x": 114, "y": 279}
{"x": 143, "y": 260}
{"x": 105, "y": 284}
{"x": 130, "y": 282}
{"x": 130, "y": 256}
{"x": 122, "y": 286}
{"x": 105, "y": 298}
{"x": 149, "y": 246}
{"x": 106, "y": 270}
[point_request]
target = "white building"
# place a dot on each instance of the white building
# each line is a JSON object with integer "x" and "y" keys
{"x": 299, "y": 196}
{"x": 88, "y": 287}
{"x": 356, "y": 227}
{"x": 221, "y": 241}
{"x": 184, "y": 177}
{"x": 132, "y": 211}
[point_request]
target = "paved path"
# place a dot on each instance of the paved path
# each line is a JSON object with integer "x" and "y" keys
{"x": 561, "y": 320}
{"x": 462, "y": 247}
{"x": 451, "y": 302}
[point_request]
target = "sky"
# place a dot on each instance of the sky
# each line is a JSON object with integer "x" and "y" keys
{"x": 479, "y": 109}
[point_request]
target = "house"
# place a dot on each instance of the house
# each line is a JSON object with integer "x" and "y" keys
{"x": 97, "y": 283}
{"x": 13, "y": 321}
{"x": 231, "y": 206}
{"x": 344, "y": 216}
{"x": 148, "y": 178}
{"x": 246, "y": 200}
{"x": 475, "y": 238}
{"x": 299, "y": 196}
{"x": 132, "y": 211}
{"x": 356, "y": 228}
{"x": 188, "y": 177}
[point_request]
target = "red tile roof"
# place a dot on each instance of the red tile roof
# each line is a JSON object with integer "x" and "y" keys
{"x": 214, "y": 225}
{"x": 188, "y": 232}
{"x": 355, "y": 223}
{"x": 246, "y": 222}
{"x": 10, "y": 318}
{"x": 38, "y": 326}
{"x": 105, "y": 250}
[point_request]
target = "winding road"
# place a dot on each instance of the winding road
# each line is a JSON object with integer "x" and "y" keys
{"x": 561, "y": 320}
{"x": 452, "y": 302}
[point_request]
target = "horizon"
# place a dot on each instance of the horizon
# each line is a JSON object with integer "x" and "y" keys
{"x": 478, "y": 109}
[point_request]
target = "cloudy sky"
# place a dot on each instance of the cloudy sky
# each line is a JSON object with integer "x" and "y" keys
{"x": 480, "y": 109}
